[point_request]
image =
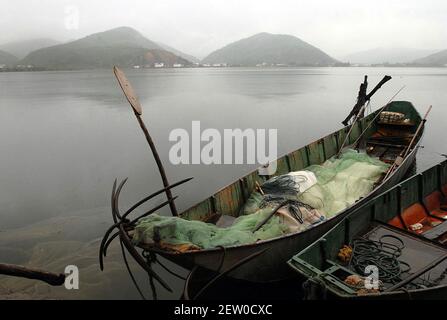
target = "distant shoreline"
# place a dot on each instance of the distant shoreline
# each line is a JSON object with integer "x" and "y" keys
{"x": 409, "y": 66}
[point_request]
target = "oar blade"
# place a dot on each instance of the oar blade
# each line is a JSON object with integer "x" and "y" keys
{"x": 128, "y": 90}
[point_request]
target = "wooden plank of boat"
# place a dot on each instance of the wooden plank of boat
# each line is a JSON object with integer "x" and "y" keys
{"x": 272, "y": 266}
{"x": 426, "y": 254}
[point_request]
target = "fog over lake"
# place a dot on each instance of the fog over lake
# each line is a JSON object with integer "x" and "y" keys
{"x": 65, "y": 137}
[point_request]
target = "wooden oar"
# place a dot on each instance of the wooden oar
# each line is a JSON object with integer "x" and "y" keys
{"x": 23, "y": 272}
{"x": 405, "y": 152}
{"x": 136, "y": 106}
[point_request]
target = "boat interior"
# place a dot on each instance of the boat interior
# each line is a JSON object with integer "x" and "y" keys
{"x": 406, "y": 226}
{"x": 391, "y": 137}
{"x": 427, "y": 217}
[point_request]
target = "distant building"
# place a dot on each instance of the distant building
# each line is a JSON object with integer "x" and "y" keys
{"x": 136, "y": 67}
{"x": 177, "y": 65}
{"x": 159, "y": 65}
{"x": 206, "y": 65}
{"x": 2, "y": 66}
{"x": 219, "y": 64}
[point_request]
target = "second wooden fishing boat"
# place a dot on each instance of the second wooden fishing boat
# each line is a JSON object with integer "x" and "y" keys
{"x": 412, "y": 219}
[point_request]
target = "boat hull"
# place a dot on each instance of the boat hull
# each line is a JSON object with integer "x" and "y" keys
{"x": 271, "y": 266}
{"x": 316, "y": 292}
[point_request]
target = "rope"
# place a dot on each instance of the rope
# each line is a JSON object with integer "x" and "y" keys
{"x": 130, "y": 271}
{"x": 381, "y": 254}
{"x": 222, "y": 259}
{"x": 284, "y": 184}
{"x": 293, "y": 206}
{"x": 170, "y": 271}
{"x": 150, "y": 259}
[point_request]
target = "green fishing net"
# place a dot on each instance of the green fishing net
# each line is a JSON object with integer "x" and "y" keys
{"x": 174, "y": 230}
{"x": 341, "y": 182}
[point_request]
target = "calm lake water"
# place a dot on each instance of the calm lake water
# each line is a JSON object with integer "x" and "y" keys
{"x": 65, "y": 137}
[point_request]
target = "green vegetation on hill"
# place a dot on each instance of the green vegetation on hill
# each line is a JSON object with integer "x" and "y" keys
{"x": 21, "y": 48}
{"x": 270, "y": 49}
{"x": 437, "y": 59}
{"x": 122, "y": 46}
{"x": 179, "y": 53}
{"x": 7, "y": 59}
{"x": 387, "y": 55}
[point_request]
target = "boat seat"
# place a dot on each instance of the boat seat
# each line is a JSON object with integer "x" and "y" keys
{"x": 436, "y": 232}
{"x": 435, "y": 203}
{"x": 413, "y": 215}
{"x": 383, "y": 144}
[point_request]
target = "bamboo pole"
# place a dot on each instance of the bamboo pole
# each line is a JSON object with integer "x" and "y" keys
{"x": 350, "y": 130}
{"x": 136, "y": 106}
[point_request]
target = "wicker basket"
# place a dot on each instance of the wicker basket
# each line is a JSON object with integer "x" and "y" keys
{"x": 391, "y": 117}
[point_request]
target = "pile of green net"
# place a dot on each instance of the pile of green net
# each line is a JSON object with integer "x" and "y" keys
{"x": 340, "y": 183}
{"x": 174, "y": 230}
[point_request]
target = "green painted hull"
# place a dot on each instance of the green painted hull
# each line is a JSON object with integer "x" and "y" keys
{"x": 312, "y": 262}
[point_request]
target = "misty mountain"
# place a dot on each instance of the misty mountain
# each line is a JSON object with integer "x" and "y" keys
{"x": 436, "y": 59}
{"x": 21, "y": 48}
{"x": 7, "y": 59}
{"x": 179, "y": 53}
{"x": 121, "y": 46}
{"x": 270, "y": 49}
{"x": 387, "y": 55}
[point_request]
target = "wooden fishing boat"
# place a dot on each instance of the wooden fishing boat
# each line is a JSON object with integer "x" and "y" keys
{"x": 393, "y": 214}
{"x": 271, "y": 265}
{"x": 393, "y": 141}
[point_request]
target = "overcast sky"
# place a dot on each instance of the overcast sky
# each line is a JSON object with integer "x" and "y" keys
{"x": 201, "y": 26}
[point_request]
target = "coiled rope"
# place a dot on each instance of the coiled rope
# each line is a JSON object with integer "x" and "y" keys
{"x": 383, "y": 255}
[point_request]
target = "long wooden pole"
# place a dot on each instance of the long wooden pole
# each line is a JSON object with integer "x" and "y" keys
{"x": 136, "y": 106}
{"x": 23, "y": 272}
